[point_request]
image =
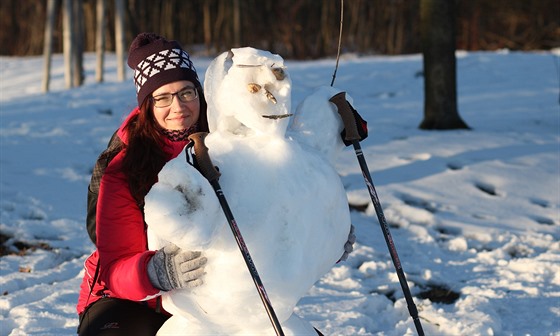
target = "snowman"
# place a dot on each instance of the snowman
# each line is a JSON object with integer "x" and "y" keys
{"x": 277, "y": 174}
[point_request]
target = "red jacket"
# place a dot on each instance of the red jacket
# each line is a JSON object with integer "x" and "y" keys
{"x": 122, "y": 248}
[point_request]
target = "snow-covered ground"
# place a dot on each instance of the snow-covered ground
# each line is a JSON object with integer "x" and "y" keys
{"x": 475, "y": 215}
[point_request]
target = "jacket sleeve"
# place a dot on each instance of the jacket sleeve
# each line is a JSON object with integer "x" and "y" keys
{"x": 121, "y": 238}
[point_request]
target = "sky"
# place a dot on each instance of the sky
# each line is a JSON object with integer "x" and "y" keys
{"x": 474, "y": 214}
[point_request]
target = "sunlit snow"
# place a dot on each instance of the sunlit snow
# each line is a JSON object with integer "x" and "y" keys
{"x": 474, "y": 214}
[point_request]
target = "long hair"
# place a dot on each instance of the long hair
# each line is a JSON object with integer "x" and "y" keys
{"x": 203, "y": 117}
{"x": 144, "y": 155}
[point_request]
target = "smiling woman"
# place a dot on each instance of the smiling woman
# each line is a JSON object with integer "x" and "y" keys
{"x": 176, "y": 114}
{"x": 123, "y": 281}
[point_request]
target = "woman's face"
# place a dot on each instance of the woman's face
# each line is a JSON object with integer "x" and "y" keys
{"x": 184, "y": 109}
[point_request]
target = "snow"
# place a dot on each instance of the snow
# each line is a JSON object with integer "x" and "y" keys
{"x": 474, "y": 213}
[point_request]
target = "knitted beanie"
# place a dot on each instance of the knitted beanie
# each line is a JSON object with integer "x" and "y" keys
{"x": 157, "y": 61}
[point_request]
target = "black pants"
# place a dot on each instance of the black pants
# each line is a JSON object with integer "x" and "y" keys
{"x": 118, "y": 317}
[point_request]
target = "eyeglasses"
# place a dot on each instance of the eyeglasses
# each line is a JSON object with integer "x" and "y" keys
{"x": 186, "y": 94}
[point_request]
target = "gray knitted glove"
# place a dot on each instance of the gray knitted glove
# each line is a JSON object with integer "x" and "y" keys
{"x": 349, "y": 245}
{"x": 172, "y": 268}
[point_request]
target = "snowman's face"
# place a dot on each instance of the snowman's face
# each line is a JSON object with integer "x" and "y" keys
{"x": 254, "y": 94}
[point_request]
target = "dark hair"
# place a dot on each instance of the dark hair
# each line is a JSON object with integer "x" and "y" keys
{"x": 144, "y": 156}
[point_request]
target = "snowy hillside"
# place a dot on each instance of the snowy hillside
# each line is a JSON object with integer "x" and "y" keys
{"x": 475, "y": 215}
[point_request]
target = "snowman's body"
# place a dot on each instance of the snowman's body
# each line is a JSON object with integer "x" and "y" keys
{"x": 287, "y": 199}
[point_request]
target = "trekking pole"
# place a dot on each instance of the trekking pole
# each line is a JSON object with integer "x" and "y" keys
{"x": 352, "y": 135}
{"x": 210, "y": 172}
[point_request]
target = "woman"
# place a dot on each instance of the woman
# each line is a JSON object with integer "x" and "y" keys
{"x": 123, "y": 279}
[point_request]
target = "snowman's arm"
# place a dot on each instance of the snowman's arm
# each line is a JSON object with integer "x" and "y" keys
{"x": 182, "y": 207}
{"x": 349, "y": 245}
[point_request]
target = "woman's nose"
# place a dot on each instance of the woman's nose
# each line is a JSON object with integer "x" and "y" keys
{"x": 177, "y": 103}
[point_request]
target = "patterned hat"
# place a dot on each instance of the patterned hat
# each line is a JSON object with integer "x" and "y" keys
{"x": 157, "y": 61}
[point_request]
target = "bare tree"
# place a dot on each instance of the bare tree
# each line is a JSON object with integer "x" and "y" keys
{"x": 100, "y": 39}
{"x": 78, "y": 36}
{"x": 207, "y": 26}
{"x": 119, "y": 39}
{"x": 302, "y": 29}
{"x": 437, "y": 29}
{"x": 68, "y": 45}
{"x": 236, "y": 23}
{"x": 47, "y": 48}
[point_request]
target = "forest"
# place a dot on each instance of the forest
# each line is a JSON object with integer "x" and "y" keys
{"x": 296, "y": 29}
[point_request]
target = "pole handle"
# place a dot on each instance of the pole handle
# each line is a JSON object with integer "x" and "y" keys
{"x": 205, "y": 166}
{"x": 348, "y": 119}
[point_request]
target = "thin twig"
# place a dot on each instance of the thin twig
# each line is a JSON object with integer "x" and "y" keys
{"x": 339, "y": 40}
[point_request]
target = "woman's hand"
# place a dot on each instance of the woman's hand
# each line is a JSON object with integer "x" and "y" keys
{"x": 172, "y": 268}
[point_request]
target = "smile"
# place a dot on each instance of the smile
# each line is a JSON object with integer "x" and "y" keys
{"x": 178, "y": 117}
{"x": 279, "y": 116}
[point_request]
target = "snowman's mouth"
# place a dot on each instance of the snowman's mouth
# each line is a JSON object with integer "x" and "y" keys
{"x": 278, "y": 116}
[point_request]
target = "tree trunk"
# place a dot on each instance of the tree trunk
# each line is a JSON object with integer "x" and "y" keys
{"x": 207, "y": 26}
{"x": 47, "y": 48}
{"x": 68, "y": 43}
{"x": 119, "y": 39}
{"x": 78, "y": 42}
{"x": 100, "y": 40}
{"x": 437, "y": 29}
{"x": 236, "y": 24}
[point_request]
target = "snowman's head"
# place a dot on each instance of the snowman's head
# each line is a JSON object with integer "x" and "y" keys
{"x": 248, "y": 92}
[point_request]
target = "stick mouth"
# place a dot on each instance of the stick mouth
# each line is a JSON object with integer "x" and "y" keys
{"x": 278, "y": 116}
